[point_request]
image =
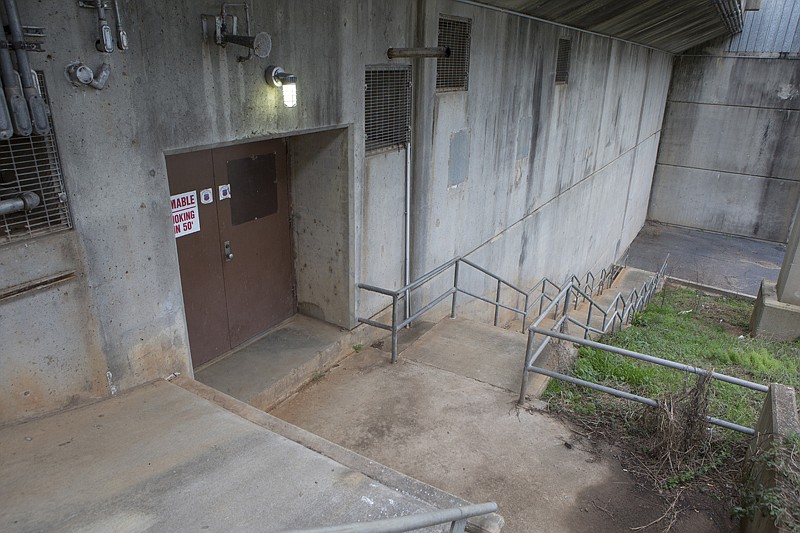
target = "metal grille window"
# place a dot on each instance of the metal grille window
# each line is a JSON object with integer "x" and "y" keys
{"x": 387, "y": 106}
{"x": 32, "y": 165}
{"x": 562, "y": 60}
{"x": 452, "y": 73}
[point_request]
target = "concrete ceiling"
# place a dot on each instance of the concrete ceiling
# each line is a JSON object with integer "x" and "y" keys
{"x": 674, "y": 25}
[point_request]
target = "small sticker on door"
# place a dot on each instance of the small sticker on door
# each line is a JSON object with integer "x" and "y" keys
{"x": 224, "y": 192}
{"x": 206, "y": 196}
{"x": 185, "y": 216}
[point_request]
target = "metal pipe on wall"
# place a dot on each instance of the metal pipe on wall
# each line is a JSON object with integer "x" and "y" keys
{"x": 17, "y": 108}
{"x": 122, "y": 35}
{"x": 407, "y": 232}
{"x": 24, "y": 202}
{"x": 417, "y": 53}
{"x": 35, "y": 102}
{"x": 105, "y": 42}
{"x": 6, "y": 128}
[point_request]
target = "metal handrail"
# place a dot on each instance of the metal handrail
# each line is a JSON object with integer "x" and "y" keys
{"x": 457, "y": 518}
{"x": 404, "y": 292}
{"x": 606, "y": 276}
{"x": 635, "y": 302}
{"x": 550, "y": 334}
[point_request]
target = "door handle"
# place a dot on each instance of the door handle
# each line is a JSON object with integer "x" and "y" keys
{"x": 228, "y": 252}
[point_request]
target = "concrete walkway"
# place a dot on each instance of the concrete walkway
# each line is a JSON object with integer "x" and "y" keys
{"x": 734, "y": 264}
{"x": 164, "y": 458}
{"x": 446, "y": 414}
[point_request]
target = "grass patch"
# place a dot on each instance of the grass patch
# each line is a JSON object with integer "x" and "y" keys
{"x": 668, "y": 445}
{"x": 688, "y": 327}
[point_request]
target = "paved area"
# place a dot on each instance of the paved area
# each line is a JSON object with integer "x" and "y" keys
{"x": 735, "y": 264}
{"x": 162, "y": 458}
{"x": 425, "y": 418}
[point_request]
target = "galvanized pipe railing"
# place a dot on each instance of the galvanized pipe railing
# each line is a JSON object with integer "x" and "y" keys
{"x": 452, "y": 292}
{"x": 457, "y": 518}
{"x": 594, "y": 284}
{"x": 618, "y": 317}
{"x": 550, "y": 334}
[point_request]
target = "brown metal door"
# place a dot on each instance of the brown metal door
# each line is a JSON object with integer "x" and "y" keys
{"x": 199, "y": 255}
{"x": 232, "y": 225}
{"x": 255, "y": 237}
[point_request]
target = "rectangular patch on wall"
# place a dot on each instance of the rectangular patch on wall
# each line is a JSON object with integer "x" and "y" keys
{"x": 524, "y": 129}
{"x": 458, "y": 165}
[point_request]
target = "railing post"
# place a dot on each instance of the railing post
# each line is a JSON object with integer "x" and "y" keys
{"x": 394, "y": 328}
{"x": 525, "y": 314}
{"x": 588, "y": 321}
{"x": 455, "y": 292}
{"x": 566, "y": 311}
{"x": 528, "y": 353}
{"x": 497, "y": 301}
{"x": 541, "y": 300}
{"x": 458, "y": 526}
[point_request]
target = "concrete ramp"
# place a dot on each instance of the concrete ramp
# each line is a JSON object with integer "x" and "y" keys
{"x": 165, "y": 457}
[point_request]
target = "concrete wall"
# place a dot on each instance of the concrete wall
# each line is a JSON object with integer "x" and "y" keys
{"x": 728, "y": 160}
{"x": 556, "y": 182}
{"x": 320, "y": 170}
{"x": 558, "y": 176}
{"x": 170, "y": 92}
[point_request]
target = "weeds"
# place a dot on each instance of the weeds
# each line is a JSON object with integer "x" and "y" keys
{"x": 672, "y": 445}
{"x": 781, "y": 502}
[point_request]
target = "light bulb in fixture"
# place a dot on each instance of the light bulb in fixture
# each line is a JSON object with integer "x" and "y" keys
{"x": 290, "y": 94}
{"x": 277, "y": 77}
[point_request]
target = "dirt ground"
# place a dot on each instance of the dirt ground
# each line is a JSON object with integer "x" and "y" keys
{"x": 626, "y": 503}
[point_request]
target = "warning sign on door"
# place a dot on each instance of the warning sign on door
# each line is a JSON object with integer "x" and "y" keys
{"x": 185, "y": 216}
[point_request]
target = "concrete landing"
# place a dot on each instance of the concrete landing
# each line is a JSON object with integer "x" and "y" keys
{"x": 162, "y": 458}
{"x": 466, "y": 436}
{"x": 471, "y": 349}
{"x": 270, "y": 369}
{"x": 734, "y": 264}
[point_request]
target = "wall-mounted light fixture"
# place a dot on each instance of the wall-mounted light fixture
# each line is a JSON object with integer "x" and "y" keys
{"x": 277, "y": 77}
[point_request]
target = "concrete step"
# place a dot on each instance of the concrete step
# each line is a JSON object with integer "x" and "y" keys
{"x": 270, "y": 369}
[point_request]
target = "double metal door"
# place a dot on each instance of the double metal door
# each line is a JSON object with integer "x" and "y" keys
{"x": 234, "y": 249}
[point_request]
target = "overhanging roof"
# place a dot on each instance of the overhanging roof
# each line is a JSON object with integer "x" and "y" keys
{"x": 671, "y": 25}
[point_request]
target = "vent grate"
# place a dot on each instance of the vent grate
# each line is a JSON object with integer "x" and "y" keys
{"x": 387, "y": 107}
{"x": 32, "y": 164}
{"x": 562, "y": 60}
{"x": 452, "y": 73}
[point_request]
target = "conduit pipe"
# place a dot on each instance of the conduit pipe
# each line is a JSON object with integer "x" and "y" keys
{"x": 36, "y": 104}
{"x": 418, "y": 53}
{"x": 122, "y": 35}
{"x": 6, "y": 128}
{"x": 17, "y": 108}
{"x": 24, "y": 202}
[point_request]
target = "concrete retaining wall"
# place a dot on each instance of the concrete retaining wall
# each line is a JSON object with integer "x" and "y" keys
{"x": 727, "y": 161}
{"x": 558, "y": 175}
{"x": 779, "y": 419}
